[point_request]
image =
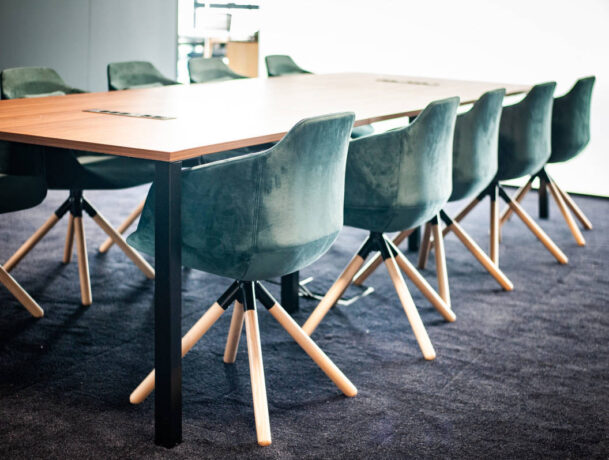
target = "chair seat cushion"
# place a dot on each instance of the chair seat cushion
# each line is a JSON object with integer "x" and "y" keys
{"x": 20, "y": 192}
{"x": 52, "y": 93}
{"x": 360, "y": 131}
{"x": 394, "y": 219}
{"x": 68, "y": 169}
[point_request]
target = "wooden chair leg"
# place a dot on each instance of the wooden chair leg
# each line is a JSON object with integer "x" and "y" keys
{"x": 574, "y": 208}
{"x": 575, "y": 231}
{"x": 520, "y": 194}
{"x": 67, "y": 250}
{"x": 83, "y": 262}
{"x": 376, "y": 260}
{"x": 311, "y": 348}
{"x": 30, "y": 243}
{"x": 535, "y": 229}
{"x": 20, "y": 294}
{"x": 425, "y": 246}
{"x": 261, "y": 410}
{"x": 410, "y": 309}
{"x": 495, "y": 229}
{"x": 188, "y": 341}
{"x": 333, "y": 294}
{"x": 484, "y": 260}
{"x": 135, "y": 256}
{"x": 423, "y": 286}
{"x": 122, "y": 228}
{"x": 234, "y": 334}
{"x": 458, "y": 218}
{"x": 441, "y": 271}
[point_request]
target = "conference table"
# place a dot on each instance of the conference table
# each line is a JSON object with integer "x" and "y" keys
{"x": 174, "y": 123}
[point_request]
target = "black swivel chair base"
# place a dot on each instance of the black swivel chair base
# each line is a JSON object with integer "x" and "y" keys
{"x": 564, "y": 202}
{"x": 244, "y": 295}
{"x": 493, "y": 192}
{"x": 393, "y": 258}
{"x": 75, "y": 204}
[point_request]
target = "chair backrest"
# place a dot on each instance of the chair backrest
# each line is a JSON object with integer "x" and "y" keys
{"x": 525, "y": 133}
{"x": 571, "y": 121}
{"x": 475, "y": 146}
{"x": 203, "y": 70}
{"x": 403, "y": 177}
{"x": 281, "y": 64}
{"x": 33, "y": 82}
{"x": 265, "y": 214}
{"x": 135, "y": 74}
{"x": 22, "y": 182}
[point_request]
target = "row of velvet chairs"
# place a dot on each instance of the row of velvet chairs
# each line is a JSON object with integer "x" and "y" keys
{"x": 394, "y": 181}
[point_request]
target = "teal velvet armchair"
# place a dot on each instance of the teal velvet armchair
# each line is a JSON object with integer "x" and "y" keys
{"x": 76, "y": 171}
{"x": 22, "y": 186}
{"x": 474, "y": 168}
{"x": 205, "y": 70}
{"x": 255, "y": 217}
{"x": 398, "y": 180}
{"x": 135, "y": 74}
{"x": 281, "y": 64}
{"x": 570, "y": 136}
{"x": 524, "y": 147}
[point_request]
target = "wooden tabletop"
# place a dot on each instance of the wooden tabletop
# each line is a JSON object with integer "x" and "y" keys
{"x": 213, "y": 117}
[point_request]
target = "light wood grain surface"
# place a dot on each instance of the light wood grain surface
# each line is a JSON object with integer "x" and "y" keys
{"x": 212, "y": 117}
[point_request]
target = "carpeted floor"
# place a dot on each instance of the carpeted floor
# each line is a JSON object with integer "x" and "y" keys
{"x": 522, "y": 374}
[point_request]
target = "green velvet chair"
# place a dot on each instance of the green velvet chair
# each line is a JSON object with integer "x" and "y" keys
{"x": 22, "y": 186}
{"x": 398, "y": 180}
{"x": 134, "y": 75}
{"x": 205, "y": 70}
{"x": 76, "y": 172}
{"x": 281, "y": 64}
{"x": 524, "y": 148}
{"x": 256, "y": 217}
{"x": 570, "y": 136}
{"x": 474, "y": 167}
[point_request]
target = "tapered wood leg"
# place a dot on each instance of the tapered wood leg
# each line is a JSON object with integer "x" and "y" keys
{"x": 464, "y": 212}
{"x": 122, "y": 228}
{"x": 536, "y": 229}
{"x": 495, "y": 229}
{"x": 575, "y": 231}
{"x": 376, "y": 260}
{"x": 188, "y": 341}
{"x": 411, "y": 310}
{"x": 135, "y": 256}
{"x": 20, "y": 294}
{"x": 441, "y": 263}
{"x": 67, "y": 250}
{"x": 481, "y": 257}
{"x": 333, "y": 294}
{"x": 234, "y": 334}
{"x": 83, "y": 262}
{"x": 311, "y": 348}
{"x": 423, "y": 286}
{"x": 425, "y": 246}
{"x": 30, "y": 243}
{"x": 520, "y": 194}
{"x": 261, "y": 410}
{"x": 574, "y": 208}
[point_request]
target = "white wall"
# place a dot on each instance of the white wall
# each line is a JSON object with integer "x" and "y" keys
{"x": 78, "y": 38}
{"x": 521, "y": 41}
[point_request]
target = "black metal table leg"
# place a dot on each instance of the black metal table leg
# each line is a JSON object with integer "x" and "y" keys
{"x": 289, "y": 292}
{"x": 414, "y": 240}
{"x": 168, "y": 305}
{"x": 544, "y": 206}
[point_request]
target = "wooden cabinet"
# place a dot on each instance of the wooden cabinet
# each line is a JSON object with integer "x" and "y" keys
{"x": 243, "y": 57}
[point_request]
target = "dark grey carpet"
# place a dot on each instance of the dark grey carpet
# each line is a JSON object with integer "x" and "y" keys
{"x": 523, "y": 374}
